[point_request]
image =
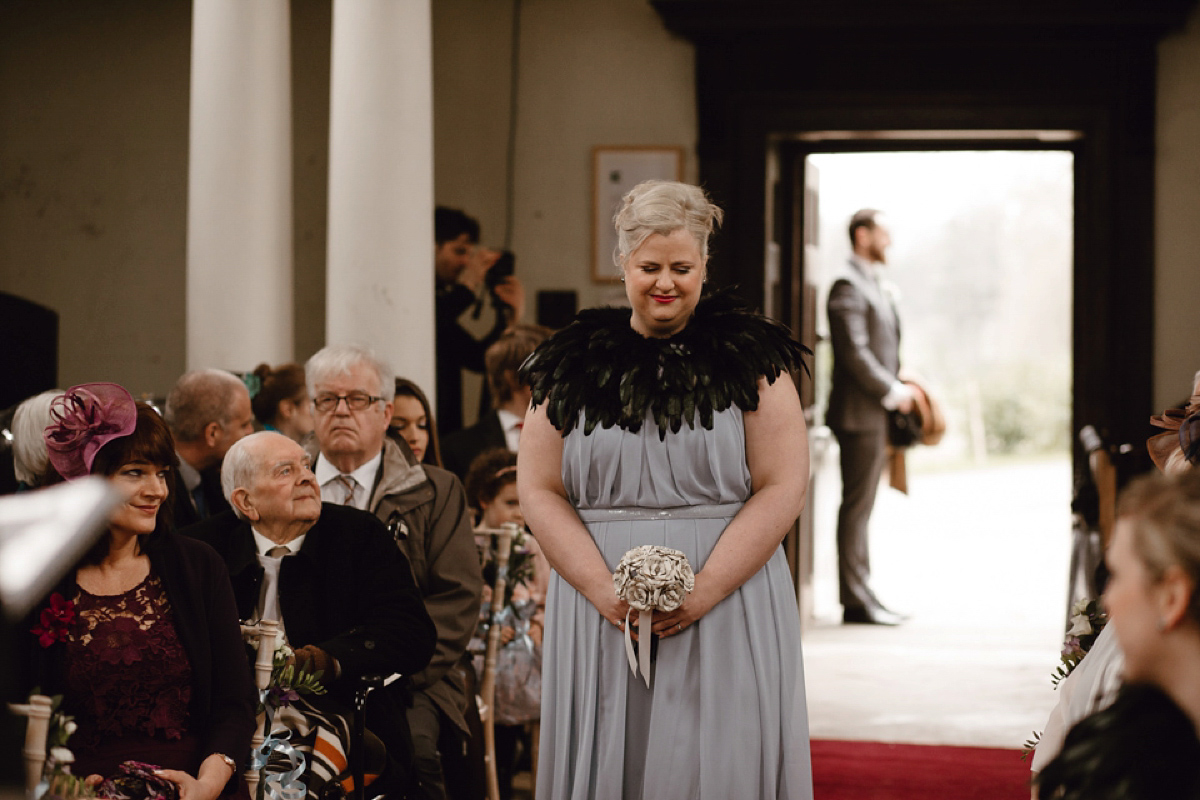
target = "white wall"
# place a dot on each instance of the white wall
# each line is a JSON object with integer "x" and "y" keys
{"x": 1177, "y": 217}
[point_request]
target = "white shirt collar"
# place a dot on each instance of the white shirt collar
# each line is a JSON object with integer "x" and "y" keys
{"x": 263, "y": 544}
{"x": 869, "y": 268}
{"x": 508, "y": 420}
{"x": 510, "y": 423}
{"x": 365, "y": 476}
{"x": 190, "y": 475}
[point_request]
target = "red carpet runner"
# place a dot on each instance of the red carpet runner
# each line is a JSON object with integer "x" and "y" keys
{"x": 876, "y": 771}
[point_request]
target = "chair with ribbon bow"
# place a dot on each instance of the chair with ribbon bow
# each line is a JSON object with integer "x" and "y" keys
{"x": 262, "y": 635}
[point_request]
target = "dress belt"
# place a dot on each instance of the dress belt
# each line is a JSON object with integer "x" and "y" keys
{"x": 715, "y": 511}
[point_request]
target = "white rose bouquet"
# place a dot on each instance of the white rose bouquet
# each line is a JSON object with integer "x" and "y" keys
{"x": 651, "y": 578}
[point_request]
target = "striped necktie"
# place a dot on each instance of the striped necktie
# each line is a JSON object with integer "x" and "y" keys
{"x": 348, "y": 485}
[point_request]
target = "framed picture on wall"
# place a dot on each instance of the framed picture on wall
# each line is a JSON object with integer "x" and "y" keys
{"x": 616, "y": 170}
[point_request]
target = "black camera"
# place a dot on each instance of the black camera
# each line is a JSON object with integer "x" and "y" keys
{"x": 505, "y": 267}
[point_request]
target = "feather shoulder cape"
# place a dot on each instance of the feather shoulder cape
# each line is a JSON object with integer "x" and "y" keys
{"x": 600, "y": 365}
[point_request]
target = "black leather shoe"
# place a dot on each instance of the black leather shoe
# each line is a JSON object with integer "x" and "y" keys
{"x": 870, "y": 616}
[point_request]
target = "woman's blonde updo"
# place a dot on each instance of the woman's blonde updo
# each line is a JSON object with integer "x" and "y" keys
{"x": 663, "y": 207}
{"x": 1165, "y": 512}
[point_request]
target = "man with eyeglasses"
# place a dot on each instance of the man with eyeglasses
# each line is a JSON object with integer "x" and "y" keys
{"x": 358, "y": 463}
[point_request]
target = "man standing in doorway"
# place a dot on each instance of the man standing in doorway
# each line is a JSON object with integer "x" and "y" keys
{"x": 864, "y": 331}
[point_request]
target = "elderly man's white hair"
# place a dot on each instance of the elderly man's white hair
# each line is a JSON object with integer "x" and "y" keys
{"x": 338, "y": 359}
{"x": 30, "y": 458}
{"x": 240, "y": 467}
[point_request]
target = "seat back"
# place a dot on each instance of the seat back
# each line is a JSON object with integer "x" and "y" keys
{"x": 263, "y": 635}
{"x": 37, "y": 710}
{"x": 503, "y": 537}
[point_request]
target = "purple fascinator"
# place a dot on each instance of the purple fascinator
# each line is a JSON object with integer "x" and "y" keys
{"x": 83, "y": 420}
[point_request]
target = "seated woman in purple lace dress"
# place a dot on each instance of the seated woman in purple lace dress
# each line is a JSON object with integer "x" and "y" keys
{"x": 142, "y": 638}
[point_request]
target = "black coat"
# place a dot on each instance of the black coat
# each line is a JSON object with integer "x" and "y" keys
{"x": 222, "y": 710}
{"x": 460, "y": 448}
{"x": 184, "y": 510}
{"x": 349, "y": 591}
{"x": 457, "y": 349}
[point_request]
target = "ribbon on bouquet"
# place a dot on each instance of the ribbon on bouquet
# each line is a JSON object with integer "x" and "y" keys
{"x": 642, "y": 659}
{"x": 650, "y": 578}
{"x": 284, "y": 785}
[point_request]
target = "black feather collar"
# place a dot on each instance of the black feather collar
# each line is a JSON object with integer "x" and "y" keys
{"x": 600, "y": 365}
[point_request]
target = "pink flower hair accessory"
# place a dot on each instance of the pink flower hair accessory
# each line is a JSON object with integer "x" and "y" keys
{"x": 84, "y": 419}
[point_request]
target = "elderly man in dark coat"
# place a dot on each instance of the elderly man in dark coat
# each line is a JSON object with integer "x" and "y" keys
{"x": 334, "y": 578}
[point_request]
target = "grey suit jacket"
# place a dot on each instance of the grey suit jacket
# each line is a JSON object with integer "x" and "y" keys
{"x": 864, "y": 331}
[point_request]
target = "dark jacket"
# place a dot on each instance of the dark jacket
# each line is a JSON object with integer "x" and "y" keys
{"x": 457, "y": 350}
{"x": 460, "y": 448}
{"x": 864, "y": 331}
{"x": 222, "y": 711}
{"x": 349, "y": 591}
{"x": 184, "y": 507}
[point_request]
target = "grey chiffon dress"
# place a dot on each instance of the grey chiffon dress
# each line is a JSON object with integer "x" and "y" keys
{"x": 725, "y": 715}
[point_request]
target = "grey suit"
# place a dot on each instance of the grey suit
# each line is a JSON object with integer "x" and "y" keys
{"x": 864, "y": 331}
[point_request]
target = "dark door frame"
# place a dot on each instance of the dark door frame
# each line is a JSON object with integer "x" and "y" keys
{"x": 1112, "y": 331}
{"x": 792, "y": 212}
{"x": 766, "y": 69}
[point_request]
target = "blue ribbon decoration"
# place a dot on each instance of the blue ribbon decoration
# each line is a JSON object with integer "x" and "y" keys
{"x": 285, "y": 785}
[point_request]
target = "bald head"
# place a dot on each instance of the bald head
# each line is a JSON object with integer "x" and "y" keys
{"x": 266, "y": 478}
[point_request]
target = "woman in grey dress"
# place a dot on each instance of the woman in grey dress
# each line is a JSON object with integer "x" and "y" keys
{"x": 673, "y": 423}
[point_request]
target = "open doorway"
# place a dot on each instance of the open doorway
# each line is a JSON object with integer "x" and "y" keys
{"x": 978, "y": 550}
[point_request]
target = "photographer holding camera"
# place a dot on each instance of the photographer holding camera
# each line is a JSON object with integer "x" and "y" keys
{"x": 461, "y": 266}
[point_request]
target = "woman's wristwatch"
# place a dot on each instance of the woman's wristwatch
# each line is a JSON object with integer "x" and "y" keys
{"x": 229, "y": 762}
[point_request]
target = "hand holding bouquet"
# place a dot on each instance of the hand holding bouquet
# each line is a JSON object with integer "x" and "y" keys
{"x": 651, "y": 578}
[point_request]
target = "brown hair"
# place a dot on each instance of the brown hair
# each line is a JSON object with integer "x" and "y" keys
{"x": 150, "y": 442}
{"x": 1165, "y": 512}
{"x": 507, "y": 354}
{"x": 864, "y": 218}
{"x": 433, "y": 453}
{"x": 285, "y": 382}
{"x": 490, "y": 472}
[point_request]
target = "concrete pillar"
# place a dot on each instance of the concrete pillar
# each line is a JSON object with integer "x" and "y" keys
{"x": 380, "y": 264}
{"x": 239, "y": 237}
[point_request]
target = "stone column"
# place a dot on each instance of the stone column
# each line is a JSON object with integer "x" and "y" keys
{"x": 239, "y": 236}
{"x": 380, "y": 265}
